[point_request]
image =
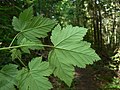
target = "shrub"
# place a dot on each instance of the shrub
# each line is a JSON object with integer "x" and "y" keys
{"x": 68, "y": 50}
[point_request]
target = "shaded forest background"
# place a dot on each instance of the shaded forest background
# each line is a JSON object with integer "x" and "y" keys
{"x": 101, "y": 17}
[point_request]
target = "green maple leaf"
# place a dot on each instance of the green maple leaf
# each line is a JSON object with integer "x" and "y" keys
{"x": 8, "y": 77}
{"x": 34, "y": 78}
{"x": 70, "y": 51}
{"x": 32, "y": 27}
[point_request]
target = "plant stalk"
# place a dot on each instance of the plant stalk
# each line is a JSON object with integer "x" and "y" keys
{"x": 22, "y": 62}
{"x": 13, "y": 40}
{"x": 26, "y": 45}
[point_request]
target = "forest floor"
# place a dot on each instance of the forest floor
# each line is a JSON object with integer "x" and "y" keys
{"x": 88, "y": 79}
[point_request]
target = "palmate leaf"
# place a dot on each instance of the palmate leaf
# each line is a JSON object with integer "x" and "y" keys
{"x": 26, "y": 15}
{"x": 8, "y": 77}
{"x": 6, "y": 85}
{"x": 70, "y": 51}
{"x": 32, "y": 27}
{"x": 34, "y": 78}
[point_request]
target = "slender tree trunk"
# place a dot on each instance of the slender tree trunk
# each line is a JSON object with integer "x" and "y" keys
{"x": 100, "y": 26}
{"x": 77, "y": 12}
{"x": 94, "y": 23}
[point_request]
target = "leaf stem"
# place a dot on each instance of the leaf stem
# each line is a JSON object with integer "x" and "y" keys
{"x": 13, "y": 40}
{"x": 26, "y": 45}
{"x": 22, "y": 62}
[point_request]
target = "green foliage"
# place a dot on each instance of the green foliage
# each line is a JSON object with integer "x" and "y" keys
{"x": 7, "y": 77}
{"x": 115, "y": 64}
{"x": 115, "y": 84}
{"x": 33, "y": 79}
{"x": 68, "y": 50}
{"x": 16, "y": 54}
{"x": 30, "y": 27}
{"x": 27, "y": 42}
